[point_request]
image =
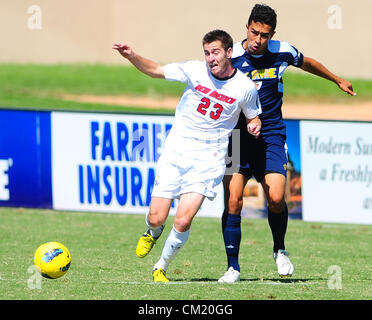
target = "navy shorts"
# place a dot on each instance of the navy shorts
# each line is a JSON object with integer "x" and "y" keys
{"x": 266, "y": 154}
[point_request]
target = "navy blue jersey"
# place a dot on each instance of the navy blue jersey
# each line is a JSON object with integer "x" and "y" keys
{"x": 266, "y": 71}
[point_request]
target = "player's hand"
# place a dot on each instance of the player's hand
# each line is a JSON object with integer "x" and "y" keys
{"x": 254, "y": 128}
{"x": 125, "y": 50}
{"x": 346, "y": 86}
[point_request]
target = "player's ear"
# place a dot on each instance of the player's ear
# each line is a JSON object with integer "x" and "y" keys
{"x": 229, "y": 53}
{"x": 272, "y": 35}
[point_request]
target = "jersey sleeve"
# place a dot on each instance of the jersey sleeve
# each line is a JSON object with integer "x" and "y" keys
{"x": 297, "y": 57}
{"x": 181, "y": 71}
{"x": 251, "y": 105}
{"x": 176, "y": 72}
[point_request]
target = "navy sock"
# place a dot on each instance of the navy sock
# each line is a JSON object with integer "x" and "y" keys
{"x": 232, "y": 235}
{"x": 278, "y": 224}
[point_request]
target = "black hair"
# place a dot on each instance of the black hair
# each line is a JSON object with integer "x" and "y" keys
{"x": 221, "y": 35}
{"x": 264, "y": 14}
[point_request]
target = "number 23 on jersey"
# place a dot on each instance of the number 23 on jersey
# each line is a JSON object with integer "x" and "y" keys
{"x": 205, "y": 104}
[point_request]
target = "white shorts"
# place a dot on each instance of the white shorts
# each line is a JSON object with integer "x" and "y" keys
{"x": 186, "y": 165}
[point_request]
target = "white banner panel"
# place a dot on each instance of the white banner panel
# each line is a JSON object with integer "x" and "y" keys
{"x": 106, "y": 162}
{"x": 336, "y": 161}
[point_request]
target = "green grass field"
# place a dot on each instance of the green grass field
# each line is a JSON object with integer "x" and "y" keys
{"x": 41, "y": 87}
{"x": 104, "y": 264}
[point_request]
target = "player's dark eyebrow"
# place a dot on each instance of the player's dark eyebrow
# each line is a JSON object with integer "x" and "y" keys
{"x": 263, "y": 34}
{"x": 212, "y": 50}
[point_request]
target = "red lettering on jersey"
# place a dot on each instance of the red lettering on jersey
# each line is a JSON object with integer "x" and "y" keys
{"x": 202, "y": 89}
{"x": 222, "y": 97}
{"x": 215, "y": 94}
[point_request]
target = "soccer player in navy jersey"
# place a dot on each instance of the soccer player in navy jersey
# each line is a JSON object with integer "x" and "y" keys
{"x": 264, "y": 61}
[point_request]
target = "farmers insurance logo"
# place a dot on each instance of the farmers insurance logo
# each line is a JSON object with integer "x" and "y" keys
{"x": 4, "y": 178}
{"x": 121, "y": 167}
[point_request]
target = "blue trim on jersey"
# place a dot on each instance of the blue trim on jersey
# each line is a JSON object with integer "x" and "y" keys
{"x": 267, "y": 71}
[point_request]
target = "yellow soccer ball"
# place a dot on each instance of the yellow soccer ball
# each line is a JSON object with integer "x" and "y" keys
{"x": 52, "y": 259}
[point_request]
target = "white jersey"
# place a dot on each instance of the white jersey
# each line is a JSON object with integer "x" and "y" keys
{"x": 209, "y": 108}
{"x": 193, "y": 158}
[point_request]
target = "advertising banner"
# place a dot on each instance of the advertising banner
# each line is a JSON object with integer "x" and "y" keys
{"x": 336, "y": 160}
{"x": 106, "y": 162}
{"x": 25, "y": 172}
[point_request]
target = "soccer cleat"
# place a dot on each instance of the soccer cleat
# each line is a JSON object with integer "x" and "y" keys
{"x": 144, "y": 245}
{"x": 285, "y": 266}
{"x": 159, "y": 275}
{"x": 230, "y": 276}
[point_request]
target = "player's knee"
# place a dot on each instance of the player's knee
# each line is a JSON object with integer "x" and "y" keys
{"x": 182, "y": 224}
{"x": 235, "y": 204}
{"x": 276, "y": 204}
{"x": 155, "y": 219}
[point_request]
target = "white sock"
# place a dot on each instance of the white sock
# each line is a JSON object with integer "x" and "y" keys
{"x": 172, "y": 246}
{"x": 155, "y": 232}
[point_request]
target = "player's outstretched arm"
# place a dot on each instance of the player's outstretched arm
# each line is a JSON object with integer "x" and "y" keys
{"x": 315, "y": 67}
{"x": 254, "y": 126}
{"x": 144, "y": 65}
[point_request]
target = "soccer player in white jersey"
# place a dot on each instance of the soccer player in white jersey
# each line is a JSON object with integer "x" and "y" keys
{"x": 192, "y": 163}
